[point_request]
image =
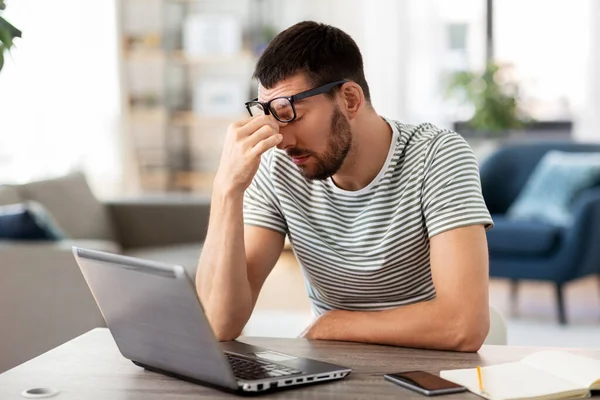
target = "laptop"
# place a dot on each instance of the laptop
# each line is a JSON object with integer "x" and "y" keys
{"x": 156, "y": 319}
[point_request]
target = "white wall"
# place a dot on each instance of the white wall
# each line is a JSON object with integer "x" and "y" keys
{"x": 587, "y": 127}
{"x": 59, "y": 94}
{"x": 549, "y": 47}
{"x": 344, "y": 14}
{"x": 384, "y": 48}
{"x": 424, "y": 61}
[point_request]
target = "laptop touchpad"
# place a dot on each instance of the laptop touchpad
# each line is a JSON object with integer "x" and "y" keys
{"x": 273, "y": 356}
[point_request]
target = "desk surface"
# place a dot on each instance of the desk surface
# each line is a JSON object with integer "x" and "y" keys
{"x": 91, "y": 367}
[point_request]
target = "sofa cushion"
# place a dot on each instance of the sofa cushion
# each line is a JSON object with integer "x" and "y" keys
{"x": 9, "y": 195}
{"x": 71, "y": 202}
{"x": 186, "y": 255}
{"x": 524, "y": 238}
{"x": 556, "y": 181}
{"x": 28, "y": 221}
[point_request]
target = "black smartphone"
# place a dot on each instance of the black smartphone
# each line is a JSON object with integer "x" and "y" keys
{"x": 424, "y": 383}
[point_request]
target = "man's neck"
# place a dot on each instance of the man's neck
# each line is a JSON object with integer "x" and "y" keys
{"x": 371, "y": 141}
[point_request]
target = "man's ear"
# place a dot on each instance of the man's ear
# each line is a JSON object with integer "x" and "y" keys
{"x": 353, "y": 99}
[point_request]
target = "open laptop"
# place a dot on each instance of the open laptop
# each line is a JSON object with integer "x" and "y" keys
{"x": 157, "y": 321}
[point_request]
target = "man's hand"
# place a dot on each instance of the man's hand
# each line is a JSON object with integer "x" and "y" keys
{"x": 246, "y": 141}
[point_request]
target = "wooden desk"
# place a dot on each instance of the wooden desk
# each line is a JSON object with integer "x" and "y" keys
{"x": 91, "y": 367}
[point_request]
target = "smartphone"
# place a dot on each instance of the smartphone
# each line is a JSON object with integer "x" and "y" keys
{"x": 424, "y": 383}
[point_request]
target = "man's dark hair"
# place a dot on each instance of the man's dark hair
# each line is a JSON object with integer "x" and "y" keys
{"x": 324, "y": 53}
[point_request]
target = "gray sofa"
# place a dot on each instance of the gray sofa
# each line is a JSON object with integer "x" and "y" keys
{"x": 44, "y": 300}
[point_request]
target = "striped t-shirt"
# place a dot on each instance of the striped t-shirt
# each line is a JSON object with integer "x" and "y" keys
{"x": 369, "y": 249}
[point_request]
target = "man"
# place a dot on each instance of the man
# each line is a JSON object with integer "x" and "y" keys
{"x": 387, "y": 220}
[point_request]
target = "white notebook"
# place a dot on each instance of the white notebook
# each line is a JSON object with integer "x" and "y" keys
{"x": 544, "y": 375}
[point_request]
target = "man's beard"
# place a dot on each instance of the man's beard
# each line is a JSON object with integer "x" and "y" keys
{"x": 339, "y": 144}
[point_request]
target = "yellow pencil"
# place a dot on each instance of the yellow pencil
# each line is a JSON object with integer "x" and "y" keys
{"x": 480, "y": 379}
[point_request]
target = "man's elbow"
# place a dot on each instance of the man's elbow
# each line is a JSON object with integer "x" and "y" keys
{"x": 225, "y": 334}
{"x": 224, "y": 329}
{"x": 471, "y": 333}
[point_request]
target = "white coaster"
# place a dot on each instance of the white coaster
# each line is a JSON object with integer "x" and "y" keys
{"x": 39, "y": 393}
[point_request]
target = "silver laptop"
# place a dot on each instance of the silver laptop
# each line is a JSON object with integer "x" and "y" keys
{"x": 157, "y": 321}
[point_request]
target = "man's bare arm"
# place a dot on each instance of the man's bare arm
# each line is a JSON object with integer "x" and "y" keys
{"x": 457, "y": 319}
{"x": 235, "y": 260}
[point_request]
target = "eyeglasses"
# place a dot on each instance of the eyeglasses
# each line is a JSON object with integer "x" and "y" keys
{"x": 282, "y": 108}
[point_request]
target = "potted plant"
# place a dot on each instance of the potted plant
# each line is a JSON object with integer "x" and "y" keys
{"x": 7, "y": 35}
{"x": 494, "y": 97}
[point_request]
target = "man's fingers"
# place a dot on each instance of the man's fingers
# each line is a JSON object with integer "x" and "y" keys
{"x": 262, "y": 133}
{"x": 241, "y": 122}
{"x": 255, "y": 123}
{"x": 267, "y": 144}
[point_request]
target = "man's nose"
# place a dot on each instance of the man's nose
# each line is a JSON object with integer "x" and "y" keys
{"x": 289, "y": 138}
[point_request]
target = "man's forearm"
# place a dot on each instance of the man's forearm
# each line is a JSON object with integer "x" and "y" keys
{"x": 422, "y": 325}
{"x": 222, "y": 279}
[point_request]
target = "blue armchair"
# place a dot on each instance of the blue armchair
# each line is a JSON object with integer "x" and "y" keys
{"x": 535, "y": 250}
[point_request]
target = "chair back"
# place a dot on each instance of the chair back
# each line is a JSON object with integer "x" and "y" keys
{"x": 497, "y": 334}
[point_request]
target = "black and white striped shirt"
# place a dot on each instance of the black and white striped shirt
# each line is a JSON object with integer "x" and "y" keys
{"x": 369, "y": 249}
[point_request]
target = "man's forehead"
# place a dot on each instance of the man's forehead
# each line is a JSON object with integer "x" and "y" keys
{"x": 286, "y": 87}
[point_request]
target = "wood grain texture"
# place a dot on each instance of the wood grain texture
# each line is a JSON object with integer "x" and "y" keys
{"x": 91, "y": 367}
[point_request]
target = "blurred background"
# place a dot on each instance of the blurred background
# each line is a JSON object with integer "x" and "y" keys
{"x": 137, "y": 95}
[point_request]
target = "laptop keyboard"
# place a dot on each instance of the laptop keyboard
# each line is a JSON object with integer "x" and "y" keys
{"x": 250, "y": 369}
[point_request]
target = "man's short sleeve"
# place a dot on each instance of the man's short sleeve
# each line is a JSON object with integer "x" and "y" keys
{"x": 452, "y": 195}
{"x": 261, "y": 205}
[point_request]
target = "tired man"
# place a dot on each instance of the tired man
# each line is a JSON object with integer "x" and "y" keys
{"x": 386, "y": 219}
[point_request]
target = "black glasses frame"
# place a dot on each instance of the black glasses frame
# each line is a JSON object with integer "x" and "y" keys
{"x": 266, "y": 106}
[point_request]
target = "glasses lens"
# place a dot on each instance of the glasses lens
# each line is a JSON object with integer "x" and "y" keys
{"x": 256, "y": 109}
{"x": 282, "y": 109}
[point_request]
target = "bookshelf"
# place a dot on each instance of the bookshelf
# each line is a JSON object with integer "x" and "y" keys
{"x": 185, "y": 75}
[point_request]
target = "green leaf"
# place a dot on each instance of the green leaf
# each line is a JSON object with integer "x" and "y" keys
{"x": 6, "y": 26}
{"x": 2, "y": 5}
{"x": 6, "y": 39}
{"x": 1, "y": 57}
